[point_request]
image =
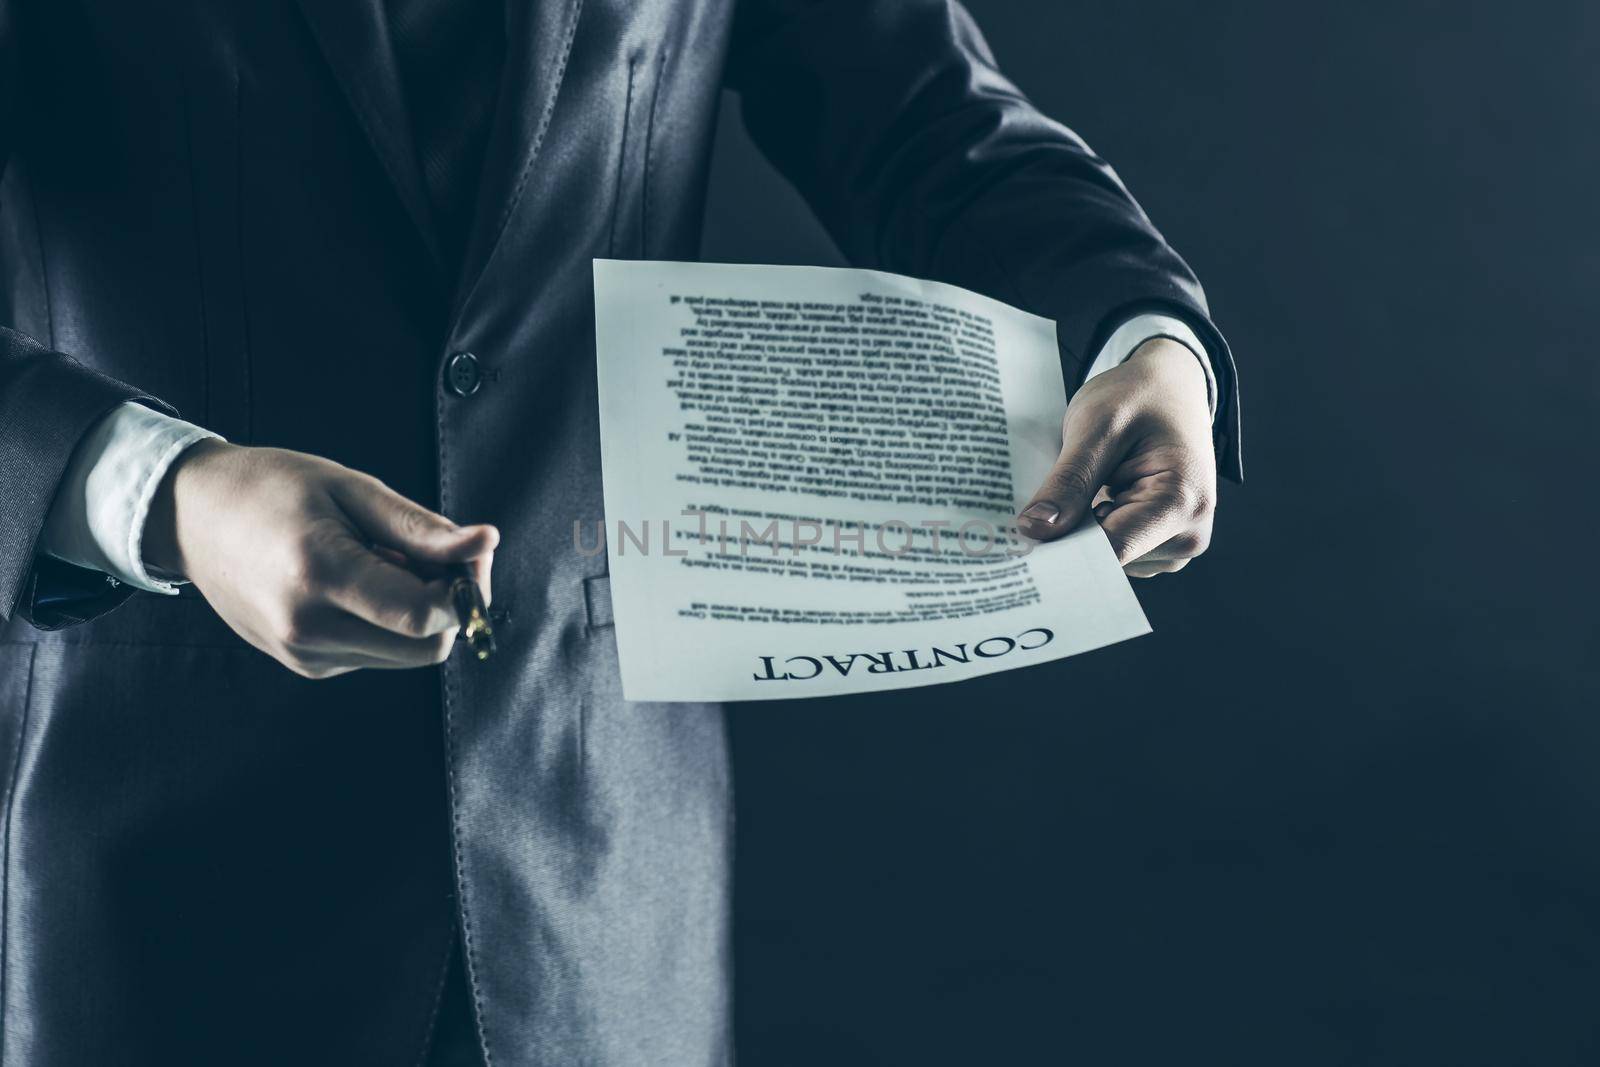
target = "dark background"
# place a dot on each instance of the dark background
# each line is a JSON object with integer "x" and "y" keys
{"x": 1344, "y": 805}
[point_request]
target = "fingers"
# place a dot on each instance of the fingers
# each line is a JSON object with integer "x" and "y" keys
{"x": 394, "y": 522}
{"x": 1089, "y": 452}
{"x": 351, "y": 607}
{"x": 340, "y": 642}
{"x": 482, "y": 568}
{"x": 327, "y": 570}
{"x": 1157, "y": 525}
{"x": 386, "y": 595}
{"x": 320, "y": 665}
{"x": 1142, "y": 569}
{"x": 1141, "y": 431}
{"x": 364, "y": 605}
{"x": 407, "y": 534}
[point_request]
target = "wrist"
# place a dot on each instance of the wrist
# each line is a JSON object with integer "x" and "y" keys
{"x": 176, "y": 505}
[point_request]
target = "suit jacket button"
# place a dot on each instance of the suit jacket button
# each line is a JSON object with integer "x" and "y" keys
{"x": 462, "y": 375}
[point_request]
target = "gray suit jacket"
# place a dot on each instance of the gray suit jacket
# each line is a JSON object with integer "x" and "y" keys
{"x": 215, "y": 206}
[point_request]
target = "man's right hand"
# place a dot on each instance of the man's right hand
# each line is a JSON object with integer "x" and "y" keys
{"x": 308, "y": 560}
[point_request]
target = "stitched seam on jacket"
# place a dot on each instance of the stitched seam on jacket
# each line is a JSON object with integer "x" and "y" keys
{"x": 544, "y": 124}
{"x": 468, "y": 957}
{"x": 649, "y": 151}
{"x": 463, "y": 908}
{"x": 622, "y": 153}
{"x": 5, "y": 875}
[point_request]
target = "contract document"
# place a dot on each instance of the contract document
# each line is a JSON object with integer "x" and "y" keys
{"x": 811, "y": 478}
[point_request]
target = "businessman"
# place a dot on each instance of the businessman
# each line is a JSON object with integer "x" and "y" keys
{"x": 298, "y": 310}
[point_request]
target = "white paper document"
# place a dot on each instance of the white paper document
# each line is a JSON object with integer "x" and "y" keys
{"x": 811, "y": 476}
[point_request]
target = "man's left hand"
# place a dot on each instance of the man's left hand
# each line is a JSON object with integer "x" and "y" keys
{"x": 1142, "y": 433}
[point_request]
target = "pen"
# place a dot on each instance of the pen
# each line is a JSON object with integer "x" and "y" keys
{"x": 471, "y": 612}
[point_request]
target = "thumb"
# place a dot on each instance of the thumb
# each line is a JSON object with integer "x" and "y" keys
{"x": 1088, "y": 456}
{"x": 392, "y": 521}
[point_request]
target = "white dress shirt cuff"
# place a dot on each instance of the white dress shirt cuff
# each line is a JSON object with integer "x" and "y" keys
{"x": 1125, "y": 339}
{"x": 98, "y": 516}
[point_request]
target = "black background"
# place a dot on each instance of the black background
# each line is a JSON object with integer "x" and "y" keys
{"x": 1344, "y": 805}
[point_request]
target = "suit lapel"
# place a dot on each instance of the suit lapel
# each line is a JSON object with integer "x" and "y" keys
{"x": 354, "y": 37}
{"x": 539, "y": 36}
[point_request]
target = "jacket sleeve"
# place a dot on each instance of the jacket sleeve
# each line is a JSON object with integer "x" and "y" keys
{"x": 893, "y": 121}
{"x": 47, "y": 404}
